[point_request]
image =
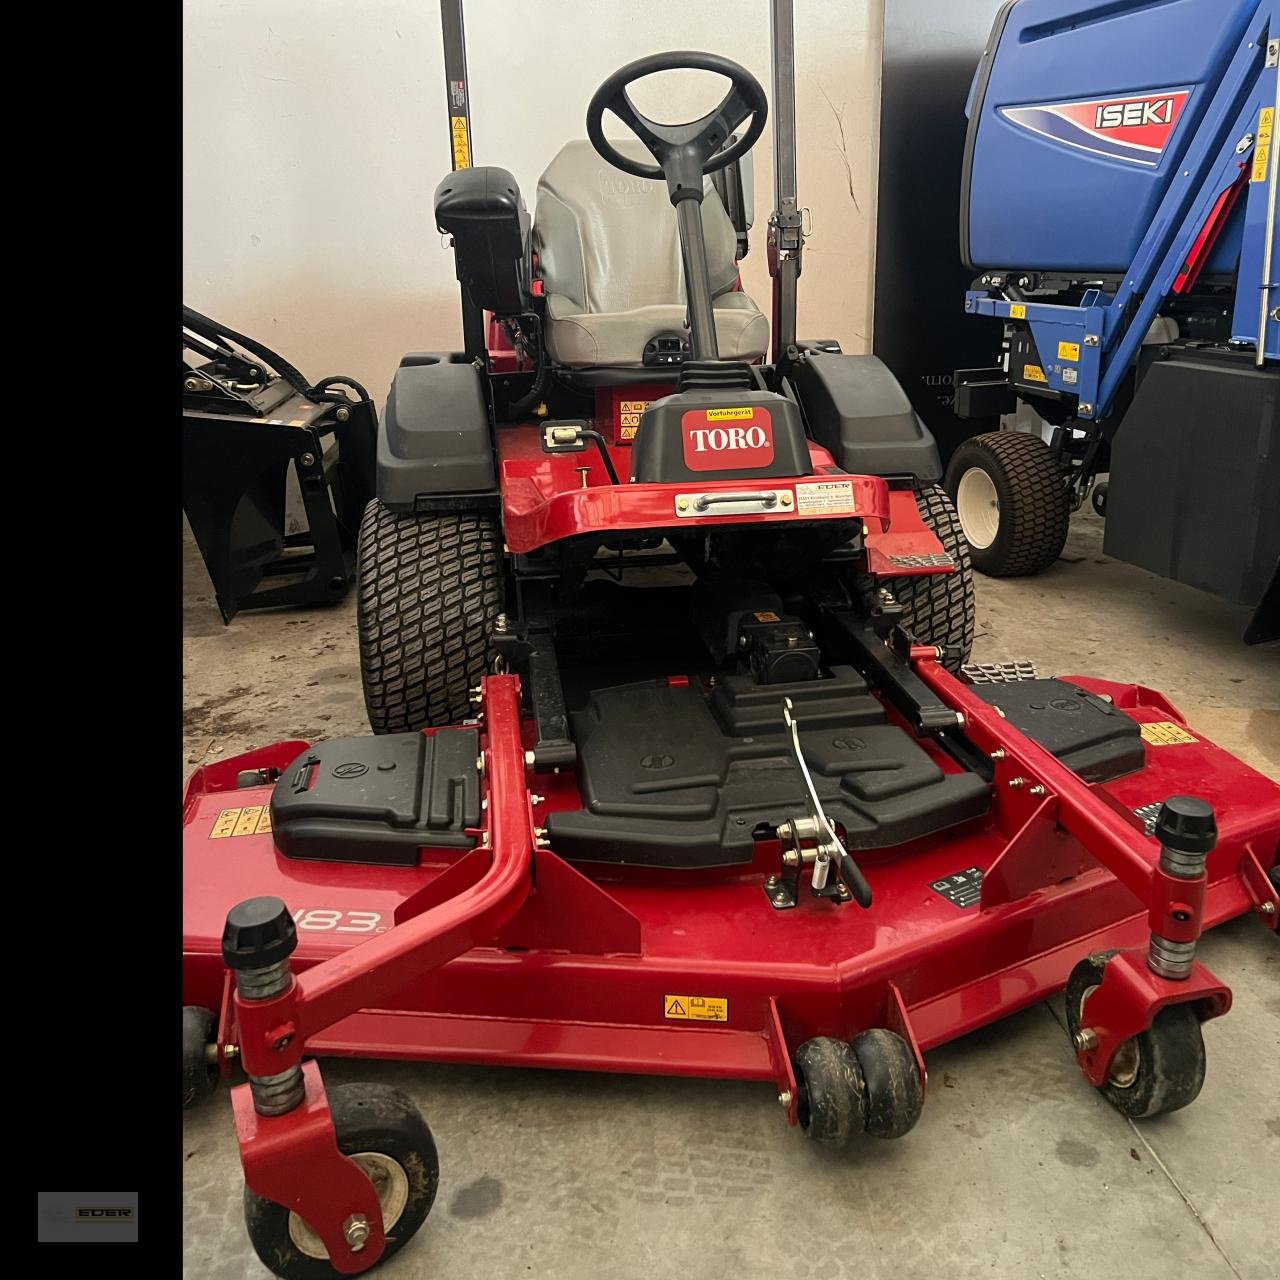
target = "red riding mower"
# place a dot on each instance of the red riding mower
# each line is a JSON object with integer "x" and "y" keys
{"x": 679, "y": 766}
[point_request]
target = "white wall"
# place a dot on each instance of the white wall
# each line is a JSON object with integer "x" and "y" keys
{"x": 315, "y": 133}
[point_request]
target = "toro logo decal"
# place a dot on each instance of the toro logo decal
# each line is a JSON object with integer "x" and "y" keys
{"x": 727, "y": 439}
{"x": 1131, "y": 129}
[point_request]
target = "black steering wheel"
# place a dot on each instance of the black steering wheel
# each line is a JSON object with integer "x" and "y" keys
{"x": 684, "y": 152}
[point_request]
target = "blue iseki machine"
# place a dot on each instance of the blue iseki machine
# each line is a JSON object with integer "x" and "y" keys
{"x": 1118, "y": 210}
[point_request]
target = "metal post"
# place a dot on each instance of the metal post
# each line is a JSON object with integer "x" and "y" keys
{"x": 1273, "y": 60}
{"x": 459, "y": 105}
{"x": 786, "y": 232}
{"x": 1187, "y": 833}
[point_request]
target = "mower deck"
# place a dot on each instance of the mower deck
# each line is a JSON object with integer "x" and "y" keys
{"x": 706, "y": 972}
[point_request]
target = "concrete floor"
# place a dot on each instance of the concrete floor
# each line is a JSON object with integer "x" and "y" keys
{"x": 1017, "y": 1167}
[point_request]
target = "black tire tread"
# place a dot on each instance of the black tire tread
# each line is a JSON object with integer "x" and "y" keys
{"x": 894, "y": 1090}
{"x": 198, "y": 1078}
{"x": 429, "y": 588}
{"x": 1034, "y": 504}
{"x": 833, "y": 1101}
{"x": 938, "y": 608}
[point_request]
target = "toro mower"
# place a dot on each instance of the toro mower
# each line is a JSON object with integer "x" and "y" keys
{"x": 680, "y": 765}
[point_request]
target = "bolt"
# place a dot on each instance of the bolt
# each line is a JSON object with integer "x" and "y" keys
{"x": 843, "y": 890}
{"x": 1268, "y": 908}
{"x": 959, "y": 714}
{"x": 540, "y": 834}
{"x": 356, "y": 1231}
{"x": 533, "y": 799}
{"x": 583, "y": 473}
{"x": 784, "y": 1098}
{"x": 1086, "y": 411}
{"x": 1015, "y": 783}
{"x": 998, "y": 753}
{"x": 785, "y": 499}
{"x": 476, "y": 694}
{"x": 780, "y": 898}
{"x": 308, "y": 459}
{"x": 500, "y": 624}
{"x": 682, "y": 504}
{"x": 528, "y": 759}
{"x": 230, "y": 1051}
{"x": 343, "y": 414}
{"x": 1091, "y": 339}
{"x": 1037, "y": 790}
{"x": 771, "y": 882}
{"x": 480, "y": 763}
{"x": 1023, "y": 281}
{"x": 198, "y": 384}
{"x": 1085, "y": 1040}
{"x": 282, "y": 1043}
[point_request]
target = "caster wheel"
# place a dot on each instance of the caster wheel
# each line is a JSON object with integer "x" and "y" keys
{"x": 1160, "y": 1070}
{"x": 831, "y": 1104}
{"x": 1099, "y": 499}
{"x": 199, "y": 1075}
{"x": 383, "y": 1132}
{"x": 895, "y": 1094}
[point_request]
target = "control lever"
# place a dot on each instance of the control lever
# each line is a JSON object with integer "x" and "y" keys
{"x": 828, "y": 844}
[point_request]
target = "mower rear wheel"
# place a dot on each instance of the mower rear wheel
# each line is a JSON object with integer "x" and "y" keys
{"x": 384, "y": 1133}
{"x": 938, "y": 608}
{"x": 1011, "y": 496}
{"x": 1157, "y": 1071}
{"x": 430, "y": 587}
{"x": 832, "y": 1102}
{"x": 199, "y": 1075}
{"x": 1099, "y": 498}
{"x": 894, "y": 1092}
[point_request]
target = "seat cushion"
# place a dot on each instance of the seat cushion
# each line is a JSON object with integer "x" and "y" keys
{"x": 587, "y": 339}
{"x": 609, "y": 258}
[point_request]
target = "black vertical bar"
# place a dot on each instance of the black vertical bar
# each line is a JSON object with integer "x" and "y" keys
{"x": 693, "y": 245}
{"x": 458, "y": 99}
{"x": 786, "y": 232}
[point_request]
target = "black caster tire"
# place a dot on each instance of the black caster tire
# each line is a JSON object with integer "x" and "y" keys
{"x": 831, "y": 1105}
{"x": 1099, "y": 499}
{"x": 429, "y": 590}
{"x": 938, "y": 608}
{"x": 1158, "y": 1071}
{"x": 199, "y": 1075}
{"x": 894, "y": 1090}
{"x": 1011, "y": 497}
{"x": 381, "y": 1129}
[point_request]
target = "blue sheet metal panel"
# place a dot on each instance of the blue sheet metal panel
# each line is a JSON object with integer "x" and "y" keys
{"x": 1087, "y": 112}
{"x": 1254, "y": 278}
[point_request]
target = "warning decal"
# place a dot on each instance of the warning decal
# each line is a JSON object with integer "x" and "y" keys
{"x": 1068, "y": 351}
{"x": 1017, "y": 311}
{"x": 1262, "y": 144}
{"x": 252, "y": 820}
{"x": 1033, "y": 373}
{"x": 629, "y": 412}
{"x": 1165, "y": 733}
{"x": 461, "y": 149}
{"x": 696, "y": 1008}
{"x": 827, "y": 497}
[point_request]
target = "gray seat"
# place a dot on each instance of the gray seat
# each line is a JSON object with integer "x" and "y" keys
{"x": 609, "y": 256}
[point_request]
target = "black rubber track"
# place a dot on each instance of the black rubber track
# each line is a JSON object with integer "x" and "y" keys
{"x": 939, "y": 607}
{"x": 1035, "y": 508}
{"x": 429, "y": 588}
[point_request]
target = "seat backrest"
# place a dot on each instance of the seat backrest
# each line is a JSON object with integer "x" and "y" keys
{"x": 608, "y": 241}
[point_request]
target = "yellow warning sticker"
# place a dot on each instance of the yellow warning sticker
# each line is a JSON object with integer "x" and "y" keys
{"x": 251, "y": 820}
{"x": 728, "y": 415}
{"x": 1262, "y": 144}
{"x": 1017, "y": 311}
{"x": 1068, "y": 351}
{"x": 1033, "y": 373}
{"x": 628, "y": 432}
{"x": 767, "y": 616}
{"x": 696, "y": 1008}
{"x": 461, "y": 148}
{"x": 629, "y": 414}
{"x": 1165, "y": 733}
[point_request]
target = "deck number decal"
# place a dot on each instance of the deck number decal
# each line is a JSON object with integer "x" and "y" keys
{"x": 696, "y": 1008}
{"x": 251, "y": 820}
{"x": 825, "y": 497}
{"x": 963, "y": 889}
{"x": 323, "y": 919}
{"x": 1165, "y": 733}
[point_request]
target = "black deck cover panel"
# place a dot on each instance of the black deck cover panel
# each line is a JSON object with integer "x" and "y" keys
{"x": 670, "y": 778}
